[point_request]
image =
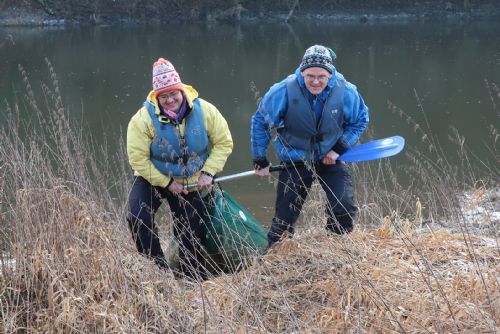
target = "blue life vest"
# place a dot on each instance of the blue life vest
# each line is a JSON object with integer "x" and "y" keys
{"x": 301, "y": 136}
{"x": 175, "y": 155}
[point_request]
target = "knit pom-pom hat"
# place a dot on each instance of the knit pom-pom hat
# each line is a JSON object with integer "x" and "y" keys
{"x": 165, "y": 77}
{"x": 318, "y": 56}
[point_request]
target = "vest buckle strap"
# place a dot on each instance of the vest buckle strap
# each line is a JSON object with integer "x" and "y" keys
{"x": 317, "y": 138}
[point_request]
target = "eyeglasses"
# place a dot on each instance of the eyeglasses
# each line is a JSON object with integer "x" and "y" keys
{"x": 172, "y": 94}
{"x": 312, "y": 78}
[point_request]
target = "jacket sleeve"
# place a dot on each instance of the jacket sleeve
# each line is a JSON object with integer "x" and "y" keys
{"x": 355, "y": 115}
{"x": 267, "y": 116}
{"x": 219, "y": 136}
{"x": 140, "y": 134}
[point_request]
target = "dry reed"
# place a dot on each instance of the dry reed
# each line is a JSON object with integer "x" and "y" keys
{"x": 403, "y": 270}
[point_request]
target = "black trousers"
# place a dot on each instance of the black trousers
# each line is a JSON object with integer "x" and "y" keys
{"x": 293, "y": 187}
{"x": 188, "y": 212}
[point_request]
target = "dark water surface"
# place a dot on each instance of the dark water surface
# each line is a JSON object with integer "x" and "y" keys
{"x": 446, "y": 73}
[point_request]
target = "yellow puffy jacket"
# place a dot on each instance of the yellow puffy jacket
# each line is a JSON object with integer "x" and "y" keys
{"x": 141, "y": 132}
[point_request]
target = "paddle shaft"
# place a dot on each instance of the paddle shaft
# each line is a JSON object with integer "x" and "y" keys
{"x": 237, "y": 176}
{"x": 377, "y": 149}
{"x": 247, "y": 173}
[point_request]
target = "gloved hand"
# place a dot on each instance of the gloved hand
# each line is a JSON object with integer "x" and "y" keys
{"x": 261, "y": 167}
{"x": 205, "y": 181}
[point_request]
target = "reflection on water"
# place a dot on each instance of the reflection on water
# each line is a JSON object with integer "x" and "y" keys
{"x": 412, "y": 77}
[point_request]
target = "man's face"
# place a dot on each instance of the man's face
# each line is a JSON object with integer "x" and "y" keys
{"x": 171, "y": 100}
{"x": 316, "y": 79}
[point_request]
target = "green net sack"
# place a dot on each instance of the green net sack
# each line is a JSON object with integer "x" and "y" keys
{"x": 231, "y": 235}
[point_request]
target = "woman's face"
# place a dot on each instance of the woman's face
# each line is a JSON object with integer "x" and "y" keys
{"x": 171, "y": 100}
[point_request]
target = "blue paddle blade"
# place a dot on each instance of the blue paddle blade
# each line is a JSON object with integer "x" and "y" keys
{"x": 377, "y": 149}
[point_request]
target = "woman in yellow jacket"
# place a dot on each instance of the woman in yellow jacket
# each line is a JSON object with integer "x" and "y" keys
{"x": 175, "y": 139}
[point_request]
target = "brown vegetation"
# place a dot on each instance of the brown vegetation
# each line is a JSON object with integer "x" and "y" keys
{"x": 76, "y": 273}
{"x": 68, "y": 264}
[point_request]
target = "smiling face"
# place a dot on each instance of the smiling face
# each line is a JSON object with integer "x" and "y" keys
{"x": 171, "y": 100}
{"x": 316, "y": 79}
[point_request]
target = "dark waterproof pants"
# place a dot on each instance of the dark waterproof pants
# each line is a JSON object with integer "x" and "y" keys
{"x": 188, "y": 213}
{"x": 293, "y": 186}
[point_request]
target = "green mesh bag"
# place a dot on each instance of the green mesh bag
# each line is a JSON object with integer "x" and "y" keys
{"x": 231, "y": 235}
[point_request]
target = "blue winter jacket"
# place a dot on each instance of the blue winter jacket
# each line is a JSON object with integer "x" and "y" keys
{"x": 271, "y": 110}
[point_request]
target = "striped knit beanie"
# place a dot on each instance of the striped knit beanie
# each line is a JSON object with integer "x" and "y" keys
{"x": 165, "y": 77}
{"x": 318, "y": 56}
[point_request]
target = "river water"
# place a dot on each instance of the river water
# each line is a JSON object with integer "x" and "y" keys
{"x": 440, "y": 75}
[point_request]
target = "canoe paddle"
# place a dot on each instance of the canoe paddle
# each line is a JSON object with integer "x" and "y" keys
{"x": 372, "y": 150}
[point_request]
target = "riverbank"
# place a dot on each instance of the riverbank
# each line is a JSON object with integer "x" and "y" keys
{"x": 29, "y": 15}
{"x": 82, "y": 275}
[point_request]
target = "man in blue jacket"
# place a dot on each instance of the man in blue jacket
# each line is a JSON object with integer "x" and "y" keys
{"x": 316, "y": 115}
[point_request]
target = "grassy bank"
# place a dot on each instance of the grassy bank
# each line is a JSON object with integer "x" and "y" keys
{"x": 418, "y": 262}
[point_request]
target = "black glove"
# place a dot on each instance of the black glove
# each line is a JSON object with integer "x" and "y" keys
{"x": 340, "y": 147}
{"x": 260, "y": 163}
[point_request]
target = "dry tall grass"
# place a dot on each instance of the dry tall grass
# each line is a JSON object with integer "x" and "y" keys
{"x": 76, "y": 269}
